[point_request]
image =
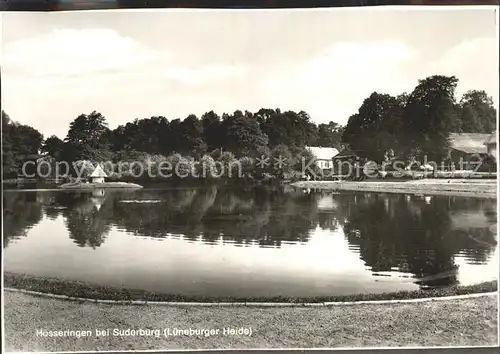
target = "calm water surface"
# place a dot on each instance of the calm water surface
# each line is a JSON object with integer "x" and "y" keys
{"x": 251, "y": 241}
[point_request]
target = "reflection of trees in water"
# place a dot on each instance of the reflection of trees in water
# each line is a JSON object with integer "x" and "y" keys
{"x": 390, "y": 231}
{"x": 238, "y": 215}
{"x": 263, "y": 215}
{"x": 178, "y": 211}
{"x": 51, "y": 212}
{"x": 474, "y": 224}
{"x": 180, "y": 199}
{"x": 328, "y": 221}
{"x": 416, "y": 237}
{"x": 50, "y": 201}
{"x": 295, "y": 216}
{"x": 86, "y": 218}
{"x": 21, "y": 211}
{"x": 478, "y": 244}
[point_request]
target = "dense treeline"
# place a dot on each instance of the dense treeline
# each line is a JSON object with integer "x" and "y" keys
{"x": 17, "y": 141}
{"x": 242, "y": 133}
{"x": 414, "y": 124}
{"x": 239, "y": 136}
{"x": 418, "y": 123}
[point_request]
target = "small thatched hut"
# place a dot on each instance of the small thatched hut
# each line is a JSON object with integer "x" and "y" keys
{"x": 98, "y": 175}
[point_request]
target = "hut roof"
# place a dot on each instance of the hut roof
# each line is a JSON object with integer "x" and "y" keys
{"x": 470, "y": 143}
{"x": 98, "y": 172}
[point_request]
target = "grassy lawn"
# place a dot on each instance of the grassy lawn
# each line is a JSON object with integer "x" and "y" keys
{"x": 460, "y": 322}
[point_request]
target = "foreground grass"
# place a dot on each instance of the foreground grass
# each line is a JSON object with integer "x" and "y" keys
{"x": 460, "y": 322}
{"x": 85, "y": 290}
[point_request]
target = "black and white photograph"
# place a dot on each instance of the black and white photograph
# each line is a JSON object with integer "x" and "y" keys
{"x": 194, "y": 179}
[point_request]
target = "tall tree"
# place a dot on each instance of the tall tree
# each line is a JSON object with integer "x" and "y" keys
{"x": 53, "y": 146}
{"x": 118, "y": 138}
{"x": 244, "y": 135}
{"x": 212, "y": 130}
{"x": 145, "y": 135}
{"x": 175, "y": 135}
{"x": 430, "y": 116}
{"x": 8, "y": 155}
{"x": 288, "y": 128}
{"x": 301, "y": 131}
{"x": 192, "y": 136}
{"x": 86, "y": 139}
{"x": 479, "y": 113}
{"x": 330, "y": 135}
{"x": 376, "y": 126}
{"x": 470, "y": 121}
{"x": 18, "y": 140}
{"x": 275, "y": 125}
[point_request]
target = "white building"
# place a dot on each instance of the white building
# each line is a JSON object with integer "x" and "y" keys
{"x": 98, "y": 175}
{"x": 324, "y": 155}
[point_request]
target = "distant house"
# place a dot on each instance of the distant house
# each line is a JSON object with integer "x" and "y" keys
{"x": 345, "y": 160}
{"x": 324, "y": 155}
{"x": 98, "y": 175}
{"x": 491, "y": 144}
{"x": 465, "y": 145}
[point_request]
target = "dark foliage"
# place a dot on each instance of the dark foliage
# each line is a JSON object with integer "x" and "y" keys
{"x": 418, "y": 124}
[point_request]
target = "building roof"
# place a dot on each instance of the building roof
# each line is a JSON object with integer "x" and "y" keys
{"x": 98, "y": 172}
{"x": 346, "y": 154}
{"x": 470, "y": 143}
{"x": 323, "y": 153}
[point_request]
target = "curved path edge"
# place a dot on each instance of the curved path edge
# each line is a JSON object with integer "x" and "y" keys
{"x": 247, "y": 304}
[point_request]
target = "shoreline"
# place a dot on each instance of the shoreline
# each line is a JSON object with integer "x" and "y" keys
{"x": 247, "y": 304}
{"x": 81, "y": 291}
{"x": 477, "y": 188}
{"x": 480, "y": 189}
{"x": 103, "y": 185}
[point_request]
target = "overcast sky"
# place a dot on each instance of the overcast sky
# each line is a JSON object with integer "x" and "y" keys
{"x": 129, "y": 65}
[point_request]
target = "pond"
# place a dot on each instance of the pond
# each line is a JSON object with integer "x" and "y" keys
{"x": 251, "y": 241}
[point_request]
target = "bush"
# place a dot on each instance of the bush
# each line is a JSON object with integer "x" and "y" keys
{"x": 207, "y": 167}
{"x": 182, "y": 167}
{"x": 247, "y": 166}
{"x": 281, "y": 162}
{"x": 226, "y": 165}
{"x": 303, "y": 158}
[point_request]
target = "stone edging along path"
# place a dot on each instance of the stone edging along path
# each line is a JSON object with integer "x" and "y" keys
{"x": 246, "y": 304}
